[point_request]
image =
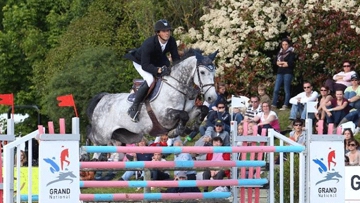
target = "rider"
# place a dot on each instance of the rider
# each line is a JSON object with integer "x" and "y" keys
{"x": 150, "y": 60}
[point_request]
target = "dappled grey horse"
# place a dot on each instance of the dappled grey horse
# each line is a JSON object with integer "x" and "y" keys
{"x": 172, "y": 108}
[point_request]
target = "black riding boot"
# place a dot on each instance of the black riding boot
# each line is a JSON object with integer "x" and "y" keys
{"x": 140, "y": 96}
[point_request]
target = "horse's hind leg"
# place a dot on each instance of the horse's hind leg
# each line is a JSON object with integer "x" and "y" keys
{"x": 183, "y": 118}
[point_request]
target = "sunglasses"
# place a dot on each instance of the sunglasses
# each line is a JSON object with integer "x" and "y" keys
{"x": 354, "y": 80}
{"x": 219, "y": 126}
{"x": 297, "y": 124}
{"x": 307, "y": 87}
{"x": 221, "y": 107}
{"x": 345, "y": 66}
{"x": 323, "y": 90}
{"x": 253, "y": 101}
{"x": 352, "y": 145}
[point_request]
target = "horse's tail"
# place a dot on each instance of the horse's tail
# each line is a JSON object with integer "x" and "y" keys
{"x": 92, "y": 104}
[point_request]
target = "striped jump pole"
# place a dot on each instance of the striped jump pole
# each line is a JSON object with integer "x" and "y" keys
{"x": 169, "y": 164}
{"x": 198, "y": 149}
{"x": 144, "y": 196}
{"x": 171, "y": 183}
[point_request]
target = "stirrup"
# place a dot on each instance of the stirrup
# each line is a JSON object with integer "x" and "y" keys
{"x": 134, "y": 117}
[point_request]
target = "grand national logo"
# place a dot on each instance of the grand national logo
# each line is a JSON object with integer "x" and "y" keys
{"x": 59, "y": 167}
{"x": 328, "y": 173}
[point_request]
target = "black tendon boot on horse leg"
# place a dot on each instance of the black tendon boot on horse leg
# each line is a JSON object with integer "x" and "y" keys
{"x": 133, "y": 111}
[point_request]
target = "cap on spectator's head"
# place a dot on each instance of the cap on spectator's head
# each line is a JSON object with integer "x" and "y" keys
{"x": 355, "y": 77}
{"x": 181, "y": 174}
{"x": 219, "y": 122}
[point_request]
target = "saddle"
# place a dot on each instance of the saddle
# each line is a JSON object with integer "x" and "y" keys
{"x": 153, "y": 91}
{"x": 152, "y": 94}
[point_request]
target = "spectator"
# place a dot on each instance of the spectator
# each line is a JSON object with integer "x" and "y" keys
{"x": 348, "y": 135}
{"x": 216, "y": 174}
{"x": 204, "y": 112}
{"x": 299, "y": 101}
{"x": 191, "y": 174}
{"x": 337, "y": 108}
{"x": 221, "y": 114}
{"x": 341, "y": 80}
{"x": 181, "y": 175}
{"x": 139, "y": 157}
{"x": 159, "y": 174}
{"x": 262, "y": 94}
{"x": 253, "y": 109}
{"x": 298, "y": 134}
{"x": 211, "y": 133}
{"x": 352, "y": 93}
{"x": 221, "y": 97}
{"x": 113, "y": 157}
{"x": 322, "y": 101}
{"x": 162, "y": 141}
{"x": 285, "y": 63}
{"x": 237, "y": 116}
{"x": 267, "y": 118}
{"x": 353, "y": 154}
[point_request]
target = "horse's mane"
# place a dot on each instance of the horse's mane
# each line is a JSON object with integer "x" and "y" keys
{"x": 188, "y": 53}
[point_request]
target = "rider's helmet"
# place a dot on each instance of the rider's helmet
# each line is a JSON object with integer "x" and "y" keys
{"x": 162, "y": 25}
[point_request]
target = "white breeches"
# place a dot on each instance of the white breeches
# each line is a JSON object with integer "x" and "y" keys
{"x": 148, "y": 77}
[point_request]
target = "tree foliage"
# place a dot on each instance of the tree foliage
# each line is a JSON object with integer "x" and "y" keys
{"x": 247, "y": 34}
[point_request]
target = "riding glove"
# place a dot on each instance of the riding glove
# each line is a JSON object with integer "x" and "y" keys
{"x": 165, "y": 71}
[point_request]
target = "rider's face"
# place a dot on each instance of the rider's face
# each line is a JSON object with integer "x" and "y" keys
{"x": 164, "y": 35}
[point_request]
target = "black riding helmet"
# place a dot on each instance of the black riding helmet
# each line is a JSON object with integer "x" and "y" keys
{"x": 162, "y": 25}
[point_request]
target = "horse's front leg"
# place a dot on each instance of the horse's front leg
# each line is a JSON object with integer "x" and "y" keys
{"x": 182, "y": 117}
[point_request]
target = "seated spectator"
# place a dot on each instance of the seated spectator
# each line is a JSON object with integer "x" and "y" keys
{"x": 352, "y": 93}
{"x": 236, "y": 115}
{"x": 181, "y": 175}
{"x": 191, "y": 174}
{"x": 337, "y": 108}
{"x": 157, "y": 174}
{"x": 322, "y": 101}
{"x": 139, "y": 157}
{"x": 113, "y": 157}
{"x": 299, "y": 101}
{"x": 195, "y": 127}
{"x": 267, "y": 118}
{"x": 262, "y": 94}
{"x": 211, "y": 133}
{"x": 221, "y": 98}
{"x": 354, "y": 117}
{"x": 240, "y": 132}
{"x": 253, "y": 109}
{"x": 216, "y": 174}
{"x": 341, "y": 80}
{"x": 348, "y": 135}
{"x": 162, "y": 141}
{"x": 353, "y": 154}
{"x": 220, "y": 114}
{"x": 298, "y": 134}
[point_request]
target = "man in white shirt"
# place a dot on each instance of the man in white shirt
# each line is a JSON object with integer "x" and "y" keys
{"x": 253, "y": 109}
{"x": 299, "y": 101}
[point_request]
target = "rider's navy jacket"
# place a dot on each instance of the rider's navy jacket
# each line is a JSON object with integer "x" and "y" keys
{"x": 150, "y": 56}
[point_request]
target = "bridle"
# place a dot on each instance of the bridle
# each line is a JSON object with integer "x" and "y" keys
{"x": 185, "y": 86}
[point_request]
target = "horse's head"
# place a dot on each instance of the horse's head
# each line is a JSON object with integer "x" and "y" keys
{"x": 204, "y": 75}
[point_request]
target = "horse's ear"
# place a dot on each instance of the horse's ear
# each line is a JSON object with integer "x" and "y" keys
{"x": 199, "y": 56}
{"x": 213, "y": 55}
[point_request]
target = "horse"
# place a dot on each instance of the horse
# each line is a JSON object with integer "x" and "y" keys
{"x": 172, "y": 108}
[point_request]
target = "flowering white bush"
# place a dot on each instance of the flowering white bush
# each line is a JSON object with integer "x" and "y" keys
{"x": 247, "y": 35}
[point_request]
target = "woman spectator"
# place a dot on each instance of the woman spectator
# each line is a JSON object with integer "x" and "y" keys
{"x": 267, "y": 118}
{"x": 337, "y": 108}
{"x": 341, "y": 80}
{"x": 348, "y": 134}
{"x": 353, "y": 154}
{"x": 285, "y": 63}
{"x": 322, "y": 100}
